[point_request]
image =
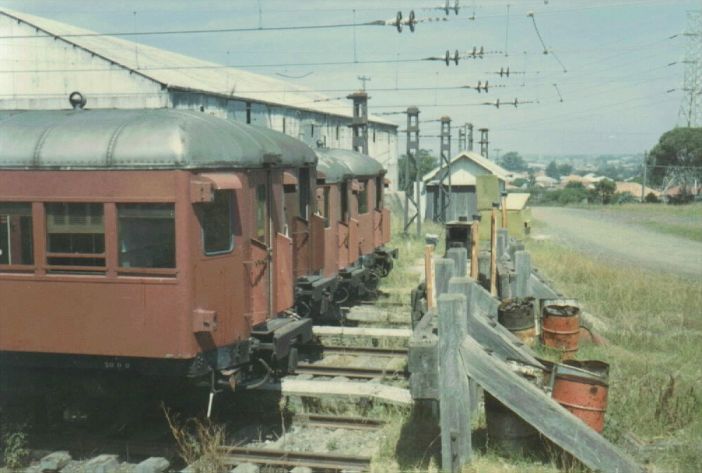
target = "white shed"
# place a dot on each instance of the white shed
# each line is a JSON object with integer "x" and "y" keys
{"x": 43, "y": 61}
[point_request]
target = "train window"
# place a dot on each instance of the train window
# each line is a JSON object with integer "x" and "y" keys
{"x": 379, "y": 185}
{"x": 146, "y": 235}
{"x": 304, "y": 192}
{"x": 327, "y": 220}
{"x": 16, "y": 238}
{"x": 344, "y": 201}
{"x": 362, "y": 196}
{"x": 217, "y": 224}
{"x": 261, "y": 195}
{"x": 75, "y": 234}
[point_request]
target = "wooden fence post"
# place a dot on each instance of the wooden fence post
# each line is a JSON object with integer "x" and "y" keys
{"x": 504, "y": 210}
{"x": 522, "y": 265}
{"x": 454, "y": 393}
{"x": 474, "y": 246}
{"x": 464, "y": 285}
{"x": 444, "y": 269}
{"x": 429, "y": 275}
{"x": 459, "y": 256}
{"x": 493, "y": 250}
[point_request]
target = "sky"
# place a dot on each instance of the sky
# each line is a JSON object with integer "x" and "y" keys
{"x": 613, "y": 62}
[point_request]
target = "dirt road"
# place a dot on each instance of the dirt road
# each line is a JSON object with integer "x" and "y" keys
{"x": 601, "y": 235}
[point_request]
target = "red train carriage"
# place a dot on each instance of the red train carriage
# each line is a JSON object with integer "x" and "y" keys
{"x": 357, "y": 226}
{"x": 154, "y": 240}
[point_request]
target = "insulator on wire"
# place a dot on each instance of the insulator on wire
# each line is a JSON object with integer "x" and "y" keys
{"x": 398, "y": 21}
{"x": 412, "y": 21}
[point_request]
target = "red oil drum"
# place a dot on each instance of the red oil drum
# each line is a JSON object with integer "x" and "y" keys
{"x": 581, "y": 387}
{"x": 560, "y": 327}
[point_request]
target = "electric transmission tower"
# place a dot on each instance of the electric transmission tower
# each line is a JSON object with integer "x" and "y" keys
{"x": 690, "y": 114}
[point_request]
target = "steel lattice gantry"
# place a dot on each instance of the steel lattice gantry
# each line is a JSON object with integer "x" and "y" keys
{"x": 444, "y": 185}
{"x": 411, "y": 174}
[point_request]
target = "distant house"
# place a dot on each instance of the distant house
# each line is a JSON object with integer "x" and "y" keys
{"x": 545, "y": 182}
{"x": 464, "y": 169}
{"x": 588, "y": 180}
{"x": 634, "y": 188}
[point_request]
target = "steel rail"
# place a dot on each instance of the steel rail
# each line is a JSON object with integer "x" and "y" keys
{"x": 346, "y": 371}
{"x": 342, "y": 350}
{"x": 287, "y": 459}
{"x": 340, "y": 422}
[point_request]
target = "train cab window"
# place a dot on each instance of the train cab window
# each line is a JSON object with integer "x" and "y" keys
{"x": 344, "y": 202}
{"x": 146, "y": 235}
{"x": 304, "y": 192}
{"x": 327, "y": 220}
{"x": 217, "y": 224}
{"x": 75, "y": 234}
{"x": 362, "y": 196}
{"x": 261, "y": 195}
{"x": 379, "y": 186}
{"x": 16, "y": 233}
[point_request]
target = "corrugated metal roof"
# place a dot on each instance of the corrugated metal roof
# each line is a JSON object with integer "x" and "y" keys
{"x": 517, "y": 200}
{"x": 459, "y": 178}
{"x": 141, "y": 139}
{"x": 337, "y": 164}
{"x": 477, "y": 158}
{"x": 185, "y": 72}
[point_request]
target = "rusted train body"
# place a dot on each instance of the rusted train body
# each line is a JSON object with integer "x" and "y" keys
{"x": 173, "y": 242}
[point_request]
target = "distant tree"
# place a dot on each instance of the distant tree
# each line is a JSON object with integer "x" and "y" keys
{"x": 552, "y": 170}
{"x": 651, "y": 198}
{"x": 520, "y": 182}
{"x": 678, "y": 152}
{"x": 575, "y": 185}
{"x": 565, "y": 169}
{"x": 604, "y": 191}
{"x": 512, "y": 161}
{"x": 572, "y": 194}
{"x": 425, "y": 163}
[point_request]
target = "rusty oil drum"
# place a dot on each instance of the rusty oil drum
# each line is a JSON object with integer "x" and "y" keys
{"x": 507, "y": 433}
{"x": 560, "y": 326}
{"x": 517, "y": 316}
{"x": 582, "y": 387}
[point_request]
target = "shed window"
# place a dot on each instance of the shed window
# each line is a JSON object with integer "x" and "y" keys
{"x": 75, "y": 234}
{"x": 217, "y": 232}
{"x": 16, "y": 233}
{"x": 146, "y": 235}
{"x": 363, "y": 197}
{"x": 261, "y": 212}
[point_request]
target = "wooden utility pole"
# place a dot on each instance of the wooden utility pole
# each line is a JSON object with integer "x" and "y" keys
{"x": 643, "y": 186}
{"x": 493, "y": 249}
{"x": 474, "y": 246}
{"x": 429, "y": 275}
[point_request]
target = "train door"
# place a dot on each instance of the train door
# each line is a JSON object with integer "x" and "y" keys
{"x": 270, "y": 261}
{"x": 298, "y": 212}
{"x": 261, "y": 250}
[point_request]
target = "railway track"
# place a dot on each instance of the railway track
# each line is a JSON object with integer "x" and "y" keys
{"x": 321, "y": 462}
{"x": 354, "y": 372}
{"x": 340, "y": 422}
{"x": 351, "y": 350}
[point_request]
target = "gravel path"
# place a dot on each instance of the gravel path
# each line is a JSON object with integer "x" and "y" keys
{"x": 603, "y": 236}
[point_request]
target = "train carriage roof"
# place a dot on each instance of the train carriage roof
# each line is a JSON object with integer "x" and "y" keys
{"x": 141, "y": 139}
{"x": 337, "y": 164}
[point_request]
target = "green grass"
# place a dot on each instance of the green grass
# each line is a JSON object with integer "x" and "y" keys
{"x": 684, "y": 221}
{"x": 654, "y": 326}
